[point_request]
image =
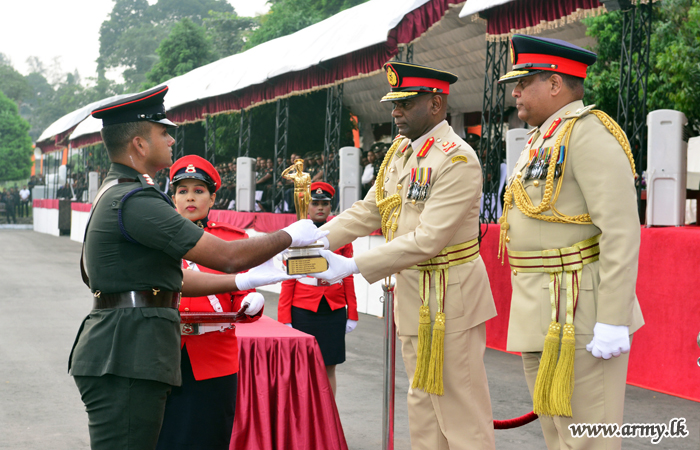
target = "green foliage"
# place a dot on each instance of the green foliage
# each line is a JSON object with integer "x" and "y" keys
{"x": 12, "y": 83}
{"x": 129, "y": 39}
{"x": 228, "y": 31}
{"x": 674, "y": 61}
{"x": 185, "y": 49}
{"x": 15, "y": 143}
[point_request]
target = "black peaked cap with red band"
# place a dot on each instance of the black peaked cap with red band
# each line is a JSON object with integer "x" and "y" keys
{"x": 411, "y": 80}
{"x": 144, "y": 106}
{"x": 321, "y": 191}
{"x": 193, "y": 166}
{"x": 530, "y": 55}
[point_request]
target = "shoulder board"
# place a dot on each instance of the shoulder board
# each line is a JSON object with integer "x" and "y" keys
{"x": 580, "y": 112}
{"x": 227, "y": 227}
{"x": 146, "y": 180}
{"x": 447, "y": 146}
{"x": 398, "y": 136}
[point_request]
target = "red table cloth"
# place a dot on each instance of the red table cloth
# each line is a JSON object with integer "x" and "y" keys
{"x": 284, "y": 399}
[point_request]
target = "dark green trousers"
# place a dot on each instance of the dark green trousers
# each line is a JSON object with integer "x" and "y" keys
{"x": 123, "y": 413}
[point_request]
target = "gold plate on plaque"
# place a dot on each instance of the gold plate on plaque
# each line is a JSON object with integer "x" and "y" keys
{"x": 304, "y": 264}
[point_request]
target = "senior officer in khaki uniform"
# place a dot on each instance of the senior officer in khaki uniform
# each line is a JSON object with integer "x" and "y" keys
{"x": 126, "y": 356}
{"x": 426, "y": 200}
{"x": 572, "y": 232}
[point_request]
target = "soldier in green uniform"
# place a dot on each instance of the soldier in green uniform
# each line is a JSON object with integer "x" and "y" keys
{"x": 572, "y": 232}
{"x": 126, "y": 355}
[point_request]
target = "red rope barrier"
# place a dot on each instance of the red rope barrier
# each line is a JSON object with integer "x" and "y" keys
{"x": 514, "y": 423}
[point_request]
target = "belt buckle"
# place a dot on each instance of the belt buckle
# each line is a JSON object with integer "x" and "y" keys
{"x": 188, "y": 329}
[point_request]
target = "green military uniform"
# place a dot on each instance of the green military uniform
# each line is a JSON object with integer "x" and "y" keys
{"x": 126, "y": 355}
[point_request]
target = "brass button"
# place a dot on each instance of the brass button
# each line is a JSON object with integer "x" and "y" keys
{"x": 567, "y": 113}
{"x": 391, "y": 170}
{"x": 519, "y": 175}
{"x": 213, "y": 224}
{"x": 398, "y": 187}
{"x": 507, "y": 239}
{"x": 413, "y": 201}
{"x": 187, "y": 309}
{"x": 438, "y": 140}
{"x": 536, "y": 183}
{"x": 515, "y": 273}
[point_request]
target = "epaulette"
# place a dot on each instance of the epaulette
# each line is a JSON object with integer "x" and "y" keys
{"x": 226, "y": 226}
{"x": 146, "y": 180}
{"x": 580, "y": 112}
{"x": 447, "y": 146}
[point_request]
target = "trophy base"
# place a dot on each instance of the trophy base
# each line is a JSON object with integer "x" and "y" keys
{"x": 304, "y": 260}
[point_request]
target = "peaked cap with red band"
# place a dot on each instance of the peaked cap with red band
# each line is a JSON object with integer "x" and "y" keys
{"x": 410, "y": 80}
{"x": 193, "y": 166}
{"x": 530, "y": 55}
{"x": 145, "y": 106}
{"x": 321, "y": 191}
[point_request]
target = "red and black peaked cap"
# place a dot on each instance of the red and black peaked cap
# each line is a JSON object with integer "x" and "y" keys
{"x": 146, "y": 106}
{"x": 193, "y": 166}
{"x": 410, "y": 80}
{"x": 530, "y": 55}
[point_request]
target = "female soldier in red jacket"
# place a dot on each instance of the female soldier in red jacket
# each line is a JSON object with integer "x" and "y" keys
{"x": 199, "y": 414}
{"x": 316, "y": 307}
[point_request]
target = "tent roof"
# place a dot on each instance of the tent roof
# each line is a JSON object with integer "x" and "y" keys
{"x": 477, "y": 6}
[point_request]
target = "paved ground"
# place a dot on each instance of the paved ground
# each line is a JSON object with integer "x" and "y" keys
{"x": 43, "y": 300}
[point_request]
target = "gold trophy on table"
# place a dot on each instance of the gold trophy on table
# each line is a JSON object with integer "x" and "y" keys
{"x": 302, "y": 260}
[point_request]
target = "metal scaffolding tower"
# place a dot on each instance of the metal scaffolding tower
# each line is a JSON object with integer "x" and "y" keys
{"x": 634, "y": 73}
{"x": 179, "y": 143}
{"x": 244, "y": 134}
{"x": 281, "y": 139}
{"x": 210, "y": 139}
{"x": 331, "y": 143}
{"x": 492, "y": 145}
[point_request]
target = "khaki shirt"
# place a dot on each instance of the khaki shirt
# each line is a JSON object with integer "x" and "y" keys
{"x": 449, "y": 216}
{"x": 133, "y": 342}
{"x": 598, "y": 180}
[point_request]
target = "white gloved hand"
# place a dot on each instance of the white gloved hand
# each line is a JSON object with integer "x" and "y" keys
{"x": 265, "y": 273}
{"x": 350, "y": 326}
{"x": 289, "y": 325}
{"x": 609, "y": 340}
{"x": 303, "y": 233}
{"x": 339, "y": 267}
{"x": 255, "y": 302}
{"x": 324, "y": 241}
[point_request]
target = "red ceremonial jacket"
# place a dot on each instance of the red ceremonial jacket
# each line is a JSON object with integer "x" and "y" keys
{"x": 215, "y": 354}
{"x": 295, "y": 293}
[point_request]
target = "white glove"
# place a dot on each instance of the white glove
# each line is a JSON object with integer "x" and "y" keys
{"x": 289, "y": 325}
{"x": 324, "y": 241}
{"x": 350, "y": 326}
{"x": 255, "y": 302}
{"x": 303, "y": 233}
{"x": 339, "y": 267}
{"x": 265, "y": 273}
{"x": 609, "y": 340}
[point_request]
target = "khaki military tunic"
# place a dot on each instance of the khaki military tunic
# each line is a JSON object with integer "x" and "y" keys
{"x": 448, "y": 216}
{"x": 133, "y": 342}
{"x": 597, "y": 180}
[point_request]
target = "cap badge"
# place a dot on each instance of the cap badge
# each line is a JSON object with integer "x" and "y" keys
{"x": 319, "y": 191}
{"x": 190, "y": 169}
{"x": 392, "y": 76}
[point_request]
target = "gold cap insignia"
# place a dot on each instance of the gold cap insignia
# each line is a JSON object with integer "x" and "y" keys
{"x": 190, "y": 169}
{"x": 392, "y": 76}
{"x": 319, "y": 191}
{"x": 512, "y": 53}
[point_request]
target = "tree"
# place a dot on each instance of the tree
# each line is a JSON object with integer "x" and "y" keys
{"x": 15, "y": 143}
{"x": 185, "y": 49}
{"x": 228, "y": 31}
{"x": 674, "y": 68}
{"x": 12, "y": 83}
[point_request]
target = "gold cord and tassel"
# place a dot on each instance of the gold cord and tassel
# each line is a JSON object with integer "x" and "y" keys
{"x": 437, "y": 351}
{"x": 390, "y": 207}
{"x": 548, "y": 361}
{"x": 563, "y": 387}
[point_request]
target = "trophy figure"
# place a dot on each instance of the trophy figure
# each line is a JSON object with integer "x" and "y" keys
{"x": 302, "y": 260}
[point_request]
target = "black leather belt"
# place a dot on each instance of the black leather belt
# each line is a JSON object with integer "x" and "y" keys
{"x": 136, "y": 299}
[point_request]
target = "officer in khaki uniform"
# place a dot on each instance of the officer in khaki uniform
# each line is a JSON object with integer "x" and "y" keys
{"x": 426, "y": 200}
{"x": 126, "y": 355}
{"x": 572, "y": 231}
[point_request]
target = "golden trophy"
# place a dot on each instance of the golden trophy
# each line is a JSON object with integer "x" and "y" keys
{"x": 302, "y": 260}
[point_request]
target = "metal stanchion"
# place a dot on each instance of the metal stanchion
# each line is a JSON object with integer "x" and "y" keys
{"x": 389, "y": 366}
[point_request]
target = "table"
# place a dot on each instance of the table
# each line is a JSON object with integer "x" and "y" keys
{"x": 284, "y": 398}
